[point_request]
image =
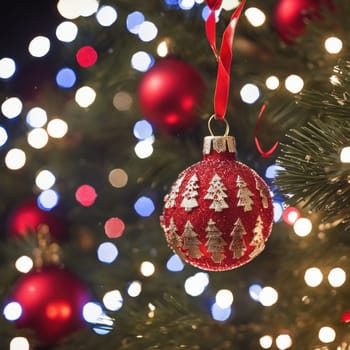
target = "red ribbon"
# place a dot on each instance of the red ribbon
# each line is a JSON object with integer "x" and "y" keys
{"x": 257, "y": 142}
{"x": 224, "y": 57}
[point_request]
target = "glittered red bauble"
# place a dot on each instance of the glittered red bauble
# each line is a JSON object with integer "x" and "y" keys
{"x": 52, "y": 301}
{"x": 218, "y": 214}
{"x": 28, "y": 217}
{"x": 169, "y": 95}
{"x": 289, "y": 16}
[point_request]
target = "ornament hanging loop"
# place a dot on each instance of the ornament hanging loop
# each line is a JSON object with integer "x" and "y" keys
{"x": 227, "y": 127}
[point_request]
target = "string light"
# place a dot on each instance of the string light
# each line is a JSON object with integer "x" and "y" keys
{"x": 48, "y": 199}
{"x": 85, "y": 96}
{"x": 336, "y": 277}
{"x": 147, "y": 268}
{"x": 38, "y": 138}
{"x": 114, "y": 227}
{"x": 255, "y": 16}
{"x": 66, "y": 31}
{"x": 107, "y": 252}
{"x": 106, "y": 15}
{"x": 141, "y": 61}
{"x": 283, "y": 341}
{"x": 195, "y": 285}
{"x": 142, "y": 129}
{"x": 272, "y": 82}
{"x": 147, "y": 31}
{"x": 333, "y": 45}
{"x": 162, "y": 49}
{"x": 3, "y": 136}
{"x": 345, "y": 155}
{"x": 45, "y": 179}
{"x": 186, "y": 4}
{"x": 294, "y": 83}
{"x": 175, "y": 264}
{"x": 302, "y": 227}
{"x": 39, "y": 46}
{"x": 326, "y": 334}
{"x": 118, "y": 178}
{"x": 266, "y": 341}
{"x": 92, "y": 312}
{"x": 113, "y": 300}
{"x": 254, "y": 291}
{"x": 86, "y": 195}
{"x": 220, "y": 314}
{"x": 7, "y": 68}
{"x": 36, "y": 117}
{"x": 19, "y": 343}
{"x": 11, "y": 107}
{"x": 133, "y": 21}
{"x": 250, "y": 93}
{"x": 291, "y": 215}
{"x": 144, "y": 206}
{"x": 24, "y": 264}
{"x": 122, "y": 101}
{"x": 135, "y": 289}
{"x": 86, "y": 56}
{"x": 224, "y": 298}
{"x": 66, "y": 78}
{"x": 227, "y": 5}
{"x": 15, "y": 159}
{"x": 268, "y": 296}
{"x": 12, "y": 311}
{"x": 313, "y": 277}
{"x": 57, "y": 128}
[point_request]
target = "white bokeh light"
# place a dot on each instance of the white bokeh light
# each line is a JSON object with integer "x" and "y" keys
{"x": 88, "y": 7}
{"x": 195, "y": 285}
{"x": 47, "y": 199}
{"x": 7, "y": 68}
{"x": 147, "y": 31}
{"x": 67, "y": 31}
{"x": 45, "y": 179}
{"x": 186, "y": 4}
{"x": 143, "y": 149}
{"x": 85, "y": 96}
{"x": 24, "y": 264}
{"x": 162, "y": 49}
{"x": 38, "y": 138}
{"x": 272, "y": 82}
{"x": 228, "y": 5}
{"x": 266, "y": 341}
{"x": 147, "y": 268}
{"x": 333, "y": 45}
{"x": 113, "y": 300}
{"x": 294, "y": 83}
{"x": 3, "y": 136}
{"x": 57, "y": 128}
{"x": 72, "y": 9}
{"x": 224, "y": 298}
{"x": 326, "y": 334}
{"x": 268, "y": 296}
{"x": 11, "y": 107}
{"x": 134, "y": 289}
{"x": 345, "y": 155}
{"x": 15, "y": 159}
{"x": 255, "y": 16}
{"x": 250, "y": 93}
{"x": 19, "y": 343}
{"x": 302, "y": 227}
{"x": 92, "y": 312}
{"x": 284, "y": 341}
{"x": 141, "y": 61}
{"x": 12, "y": 311}
{"x": 36, "y": 117}
{"x": 336, "y": 277}
{"x": 313, "y": 277}
{"x": 39, "y": 46}
{"x": 106, "y": 16}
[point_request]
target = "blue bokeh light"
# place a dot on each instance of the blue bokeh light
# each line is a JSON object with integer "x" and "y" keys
{"x": 107, "y": 252}
{"x": 175, "y": 264}
{"x": 3, "y": 136}
{"x": 220, "y": 314}
{"x": 254, "y": 291}
{"x": 133, "y": 21}
{"x": 48, "y": 199}
{"x": 144, "y": 206}
{"x": 143, "y": 129}
{"x": 271, "y": 171}
{"x": 277, "y": 211}
{"x": 66, "y": 78}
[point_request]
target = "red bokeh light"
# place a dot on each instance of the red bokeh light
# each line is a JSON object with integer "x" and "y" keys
{"x": 291, "y": 215}
{"x": 114, "y": 227}
{"x": 86, "y": 56}
{"x": 86, "y": 195}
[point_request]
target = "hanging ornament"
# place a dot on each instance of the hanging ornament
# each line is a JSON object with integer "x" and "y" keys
{"x": 51, "y": 297}
{"x": 170, "y": 94}
{"x": 27, "y": 217}
{"x": 290, "y": 16}
{"x": 219, "y": 213}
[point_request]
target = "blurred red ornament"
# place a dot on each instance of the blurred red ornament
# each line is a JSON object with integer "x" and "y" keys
{"x": 28, "y": 217}
{"x": 52, "y": 301}
{"x": 345, "y": 317}
{"x": 170, "y": 94}
{"x": 218, "y": 214}
{"x": 289, "y": 16}
{"x": 214, "y": 4}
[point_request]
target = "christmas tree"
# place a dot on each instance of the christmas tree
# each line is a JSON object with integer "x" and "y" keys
{"x": 103, "y": 104}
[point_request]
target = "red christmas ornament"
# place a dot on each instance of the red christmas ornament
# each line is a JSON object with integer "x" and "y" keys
{"x": 52, "y": 301}
{"x": 169, "y": 95}
{"x": 214, "y": 4}
{"x": 289, "y": 16}
{"x": 219, "y": 212}
{"x": 28, "y": 217}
